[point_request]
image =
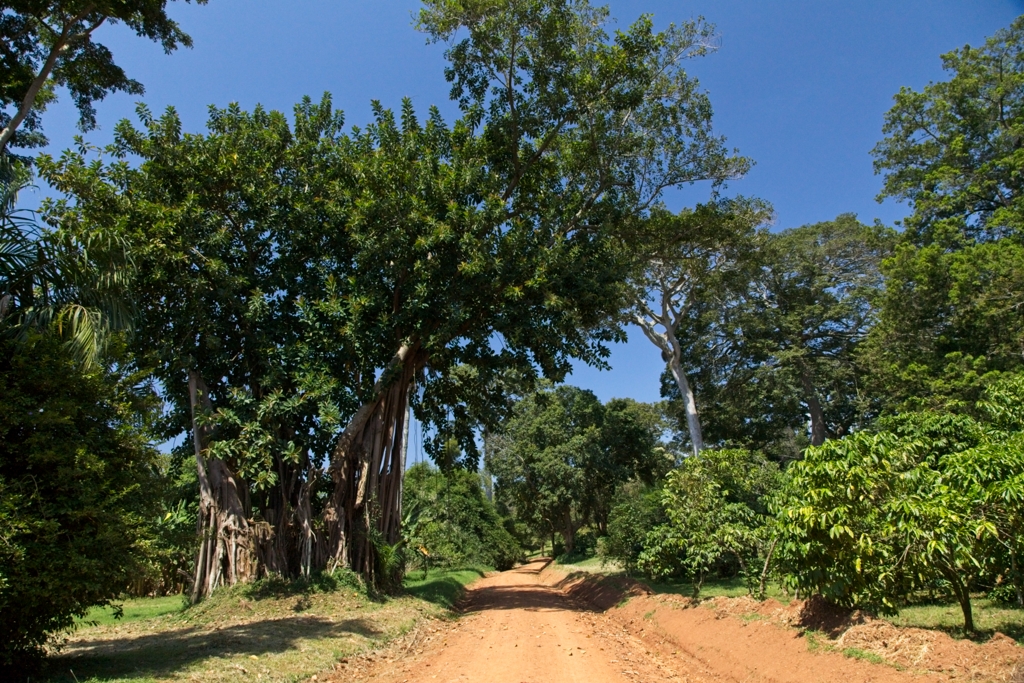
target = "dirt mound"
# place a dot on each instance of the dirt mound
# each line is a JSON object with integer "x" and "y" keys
{"x": 999, "y": 659}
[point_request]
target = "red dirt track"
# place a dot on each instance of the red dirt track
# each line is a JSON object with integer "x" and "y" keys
{"x": 533, "y": 625}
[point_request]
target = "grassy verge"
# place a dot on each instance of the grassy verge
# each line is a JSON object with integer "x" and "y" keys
{"x": 440, "y": 587}
{"x": 989, "y": 617}
{"x": 134, "y": 610}
{"x": 273, "y": 630}
{"x": 715, "y": 588}
{"x": 594, "y": 565}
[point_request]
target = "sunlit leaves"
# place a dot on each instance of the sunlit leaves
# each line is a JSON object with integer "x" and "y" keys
{"x": 934, "y": 504}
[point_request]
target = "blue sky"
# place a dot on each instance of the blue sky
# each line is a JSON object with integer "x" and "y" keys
{"x": 800, "y": 86}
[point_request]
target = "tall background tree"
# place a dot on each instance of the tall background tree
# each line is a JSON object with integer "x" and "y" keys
{"x": 773, "y": 351}
{"x": 562, "y": 457}
{"x": 687, "y": 263}
{"x": 951, "y": 315}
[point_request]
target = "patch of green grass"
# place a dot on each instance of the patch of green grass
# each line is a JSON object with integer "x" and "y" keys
{"x": 817, "y": 641}
{"x": 135, "y": 609}
{"x": 442, "y": 586}
{"x": 592, "y": 565}
{"x": 857, "y": 653}
{"x": 650, "y": 615}
{"x": 734, "y": 587}
{"x": 989, "y": 617}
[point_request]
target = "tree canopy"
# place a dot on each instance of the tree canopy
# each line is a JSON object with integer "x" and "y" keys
{"x": 951, "y": 150}
{"x": 49, "y": 44}
{"x": 561, "y": 458}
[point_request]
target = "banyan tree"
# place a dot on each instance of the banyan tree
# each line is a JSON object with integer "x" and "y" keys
{"x": 300, "y": 287}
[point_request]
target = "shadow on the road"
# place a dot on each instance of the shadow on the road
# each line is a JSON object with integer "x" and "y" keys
{"x": 535, "y": 566}
{"x": 520, "y": 597}
{"x": 578, "y": 592}
{"x": 442, "y": 590}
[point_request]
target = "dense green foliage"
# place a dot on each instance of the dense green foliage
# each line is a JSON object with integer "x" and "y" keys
{"x": 934, "y": 502}
{"x": 79, "y": 488}
{"x": 951, "y": 150}
{"x": 710, "y": 516}
{"x": 451, "y": 523}
{"x": 559, "y": 461}
{"x": 949, "y": 316}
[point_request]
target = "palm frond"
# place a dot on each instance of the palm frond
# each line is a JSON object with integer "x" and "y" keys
{"x": 75, "y": 284}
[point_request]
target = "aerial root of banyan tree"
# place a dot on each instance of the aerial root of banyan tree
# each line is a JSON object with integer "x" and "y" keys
{"x": 366, "y": 468}
{"x": 234, "y": 547}
{"x": 363, "y": 511}
{"x": 227, "y": 552}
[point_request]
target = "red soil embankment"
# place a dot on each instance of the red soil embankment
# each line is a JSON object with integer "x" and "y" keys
{"x": 743, "y": 639}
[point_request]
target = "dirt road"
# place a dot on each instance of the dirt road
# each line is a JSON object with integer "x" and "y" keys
{"x": 520, "y": 628}
{"x": 525, "y": 626}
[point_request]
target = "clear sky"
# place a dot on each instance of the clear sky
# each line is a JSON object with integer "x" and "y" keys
{"x": 800, "y": 86}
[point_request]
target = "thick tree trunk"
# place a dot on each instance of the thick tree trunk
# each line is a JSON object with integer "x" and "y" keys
{"x": 304, "y": 517}
{"x": 671, "y": 353}
{"x": 226, "y": 552}
{"x": 690, "y": 403}
{"x": 817, "y": 415}
{"x": 404, "y": 460}
{"x": 367, "y": 471}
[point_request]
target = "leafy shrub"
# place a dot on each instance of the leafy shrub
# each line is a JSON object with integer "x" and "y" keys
{"x": 939, "y": 502}
{"x": 77, "y": 486}
{"x": 636, "y": 512}
{"x": 710, "y": 516}
{"x": 717, "y": 517}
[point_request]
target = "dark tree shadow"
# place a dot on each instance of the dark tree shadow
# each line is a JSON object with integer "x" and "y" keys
{"x": 532, "y": 598}
{"x": 164, "y": 653}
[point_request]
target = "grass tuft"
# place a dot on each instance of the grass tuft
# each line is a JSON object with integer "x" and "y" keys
{"x": 817, "y": 641}
{"x": 857, "y": 653}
